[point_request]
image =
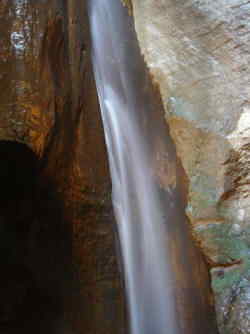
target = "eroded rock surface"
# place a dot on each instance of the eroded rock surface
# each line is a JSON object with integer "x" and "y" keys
{"x": 63, "y": 266}
{"x": 198, "y": 53}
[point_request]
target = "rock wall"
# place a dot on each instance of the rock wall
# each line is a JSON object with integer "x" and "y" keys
{"x": 198, "y": 53}
{"x": 48, "y": 105}
{"x": 66, "y": 262}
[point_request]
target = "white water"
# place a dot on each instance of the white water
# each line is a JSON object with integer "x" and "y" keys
{"x": 138, "y": 208}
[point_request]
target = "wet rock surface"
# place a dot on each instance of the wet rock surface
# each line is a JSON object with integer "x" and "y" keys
{"x": 198, "y": 51}
{"x": 57, "y": 235}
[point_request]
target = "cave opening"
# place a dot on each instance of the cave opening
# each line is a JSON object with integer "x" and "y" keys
{"x": 18, "y": 176}
{"x": 33, "y": 242}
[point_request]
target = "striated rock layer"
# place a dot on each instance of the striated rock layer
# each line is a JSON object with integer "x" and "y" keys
{"x": 198, "y": 53}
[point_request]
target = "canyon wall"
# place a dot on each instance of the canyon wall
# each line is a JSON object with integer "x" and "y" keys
{"x": 198, "y": 53}
{"x": 63, "y": 267}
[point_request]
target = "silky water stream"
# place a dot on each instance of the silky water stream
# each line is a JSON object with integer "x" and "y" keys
{"x": 157, "y": 254}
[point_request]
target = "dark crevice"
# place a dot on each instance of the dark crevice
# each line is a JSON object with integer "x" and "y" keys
{"x": 35, "y": 245}
{"x": 223, "y": 266}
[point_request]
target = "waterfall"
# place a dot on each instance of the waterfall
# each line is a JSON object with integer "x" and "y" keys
{"x": 137, "y": 203}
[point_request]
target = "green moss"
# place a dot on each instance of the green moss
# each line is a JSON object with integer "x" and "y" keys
{"x": 220, "y": 239}
{"x": 225, "y": 279}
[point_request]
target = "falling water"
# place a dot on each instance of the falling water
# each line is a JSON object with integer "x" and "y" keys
{"x": 138, "y": 208}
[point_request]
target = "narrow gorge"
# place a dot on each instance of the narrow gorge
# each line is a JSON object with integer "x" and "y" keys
{"x": 180, "y": 70}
